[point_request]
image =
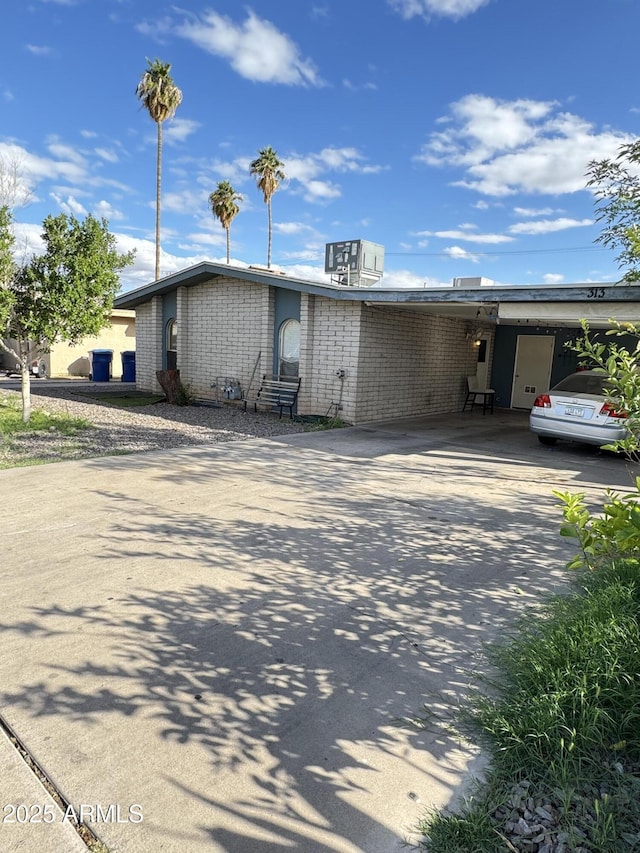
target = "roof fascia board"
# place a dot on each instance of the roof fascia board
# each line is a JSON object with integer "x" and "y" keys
{"x": 206, "y": 271}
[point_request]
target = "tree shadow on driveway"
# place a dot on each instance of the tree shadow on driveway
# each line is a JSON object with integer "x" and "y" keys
{"x": 233, "y": 638}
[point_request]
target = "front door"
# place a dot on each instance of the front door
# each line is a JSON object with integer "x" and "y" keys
{"x": 532, "y": 374}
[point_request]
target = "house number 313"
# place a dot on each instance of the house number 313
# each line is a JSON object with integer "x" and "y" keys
{"x": 595, "y": 293}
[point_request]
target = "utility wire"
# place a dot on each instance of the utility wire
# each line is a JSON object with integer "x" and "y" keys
{"x": 473, "y": 252}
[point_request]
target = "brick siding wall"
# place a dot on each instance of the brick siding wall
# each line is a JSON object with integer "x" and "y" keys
{"x": 411, "y": 363}
{"x": 149, "y": 333}
{"x": 222, "y": 327}
{"x": 395, "y": 362}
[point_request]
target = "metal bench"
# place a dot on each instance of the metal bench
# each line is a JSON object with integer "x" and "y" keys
{"x": 279, "y": 392}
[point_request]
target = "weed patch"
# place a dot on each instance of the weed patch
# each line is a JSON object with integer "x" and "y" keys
{"x": 128, "y": 400}
{"x": 560, "y": 719}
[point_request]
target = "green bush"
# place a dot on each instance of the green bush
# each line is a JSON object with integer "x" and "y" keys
{"x": 608, "y": 537}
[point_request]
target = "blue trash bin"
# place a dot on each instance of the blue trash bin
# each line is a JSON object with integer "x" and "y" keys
{"x": 101, "y": 364}
{"x": 128, "y": 365}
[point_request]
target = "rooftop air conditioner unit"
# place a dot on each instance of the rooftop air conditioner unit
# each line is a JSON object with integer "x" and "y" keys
{"x": 471, "y": 282}
{"x": 354, "y": 263}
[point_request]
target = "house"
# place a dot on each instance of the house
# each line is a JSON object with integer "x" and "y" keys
{"x": 365, "y": 353}
{"x": 66, "y": 360}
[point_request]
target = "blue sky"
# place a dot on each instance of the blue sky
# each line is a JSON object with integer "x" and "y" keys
{"x": 456, "y": 133}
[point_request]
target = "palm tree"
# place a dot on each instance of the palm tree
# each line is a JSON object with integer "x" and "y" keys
{"x": 269, "y": 171}
{"x": 161, "y": 97}
{"x": 223, "y": 206}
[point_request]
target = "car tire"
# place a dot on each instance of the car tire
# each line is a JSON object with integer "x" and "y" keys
{"x": 547, "y": 440}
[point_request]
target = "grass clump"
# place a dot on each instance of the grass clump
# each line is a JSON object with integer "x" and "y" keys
{"x": 34, "y": 442}
{"x": 11, "y": 422}
{"x": 560, "y": 719}
{"x": 127, "y": 400}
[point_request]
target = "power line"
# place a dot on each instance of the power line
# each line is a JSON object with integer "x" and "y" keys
{"x": 449, "y": 256}
{"x": 506, "y": 252}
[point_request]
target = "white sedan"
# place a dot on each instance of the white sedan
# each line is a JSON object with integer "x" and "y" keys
{"x": 576, "y": 409}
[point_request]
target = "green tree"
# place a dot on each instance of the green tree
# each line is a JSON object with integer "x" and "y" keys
{"x": 7, "y": 241}
{"x": 268, "y": 170}
{"x": 223, "y": 202}
{"x": 616, "y": 186}
{"x": 64, "y": 294}
{"x": 161, "y": 98}
{"x": 621, "y": 363}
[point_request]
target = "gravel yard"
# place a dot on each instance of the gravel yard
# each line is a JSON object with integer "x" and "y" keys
{"x": 134, "y": 429}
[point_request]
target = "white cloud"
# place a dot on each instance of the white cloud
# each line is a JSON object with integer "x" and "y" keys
{"x": 71, "y": 206}
{"x": 455, "y": 9}
{"x": 307, "y": 170}
{"x": 306, "y": 272}
{"x": 398, "y": 279}
{"x": 104, "y": 210}
{"x": 358, "y": 87}
{"x": 186, "y": 200}
{"x": 548, "y": 226}
{"x": 66, "y": 165}
{"x": 552, "y": 278}
{"x": 107, "y": 154}
{"x": 215, "y": 237}
{"x": 255, "y": 49}
{"x": 318, "y": 12}
{"x": 532, "y": 211}
{"x": 506, "y": 147}
{"x": 39, "y": 49}
{"x": 143, "y": 269}
{"x": 292, "y": 228}
{"x": 457, "y": 253}
{"x": 321, "y": 191}
{"x": 179, "y": 129}
{"x": 471, "y": 236}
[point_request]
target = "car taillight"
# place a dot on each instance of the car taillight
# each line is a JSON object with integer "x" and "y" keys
{"x": 542, "y": 401}
{"x": 611, "y": 412}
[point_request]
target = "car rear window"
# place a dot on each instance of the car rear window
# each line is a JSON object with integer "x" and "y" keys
{"x": 583, "y": 383}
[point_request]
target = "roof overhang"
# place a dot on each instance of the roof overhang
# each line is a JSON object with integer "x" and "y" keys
{"x": 530, "y": 304}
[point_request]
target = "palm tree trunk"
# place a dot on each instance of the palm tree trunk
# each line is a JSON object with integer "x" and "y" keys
{"x": 269, "y": 243}
{"x": 158, "y": 183}
{"x": 228, "y": 245}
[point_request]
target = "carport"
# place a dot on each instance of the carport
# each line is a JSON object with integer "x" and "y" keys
{"x": 530, "y": 328}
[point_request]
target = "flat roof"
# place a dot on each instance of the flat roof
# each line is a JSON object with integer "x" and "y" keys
{"x": 488, "y": 295}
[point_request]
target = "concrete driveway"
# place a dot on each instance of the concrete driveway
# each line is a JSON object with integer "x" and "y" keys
{"x": 227, "y": 637}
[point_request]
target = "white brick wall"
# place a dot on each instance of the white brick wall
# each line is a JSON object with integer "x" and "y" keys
{"x": 149, "y": 333}
{"x": 329, "y": 342}
{"x": 411, "y": 363}
{"x": 222, "y": 329}
{"x": 396, "y": 362}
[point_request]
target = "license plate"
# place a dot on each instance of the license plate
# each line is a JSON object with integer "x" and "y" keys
{"x": 574, "y": 411}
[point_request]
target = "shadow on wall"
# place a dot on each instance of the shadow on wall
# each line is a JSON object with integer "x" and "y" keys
{"x": 79, "y": 367}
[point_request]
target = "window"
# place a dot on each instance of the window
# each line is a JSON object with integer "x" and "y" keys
{"x": 172, "y": 344}
{"x": 289, "y": 348}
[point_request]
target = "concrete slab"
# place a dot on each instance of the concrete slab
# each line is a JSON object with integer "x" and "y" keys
{"x": 29, "y": 818}
{"x": 224, "y": 639}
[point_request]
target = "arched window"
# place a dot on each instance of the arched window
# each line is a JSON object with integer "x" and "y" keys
{"x": 171, "y": 344}
{"x": 289, "y": 348}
